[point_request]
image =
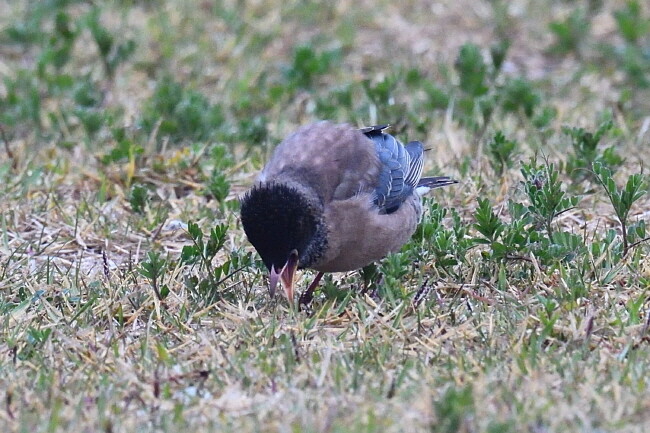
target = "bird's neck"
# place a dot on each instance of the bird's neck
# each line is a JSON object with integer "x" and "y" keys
{"x": 316, "y": 247}
{"x": 313, "y": 208}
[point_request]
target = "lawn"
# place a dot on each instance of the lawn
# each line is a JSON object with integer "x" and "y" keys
{"x": 130, "y": 299}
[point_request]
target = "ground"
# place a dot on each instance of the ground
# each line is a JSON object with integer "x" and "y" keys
{"x": 131, "y": 300}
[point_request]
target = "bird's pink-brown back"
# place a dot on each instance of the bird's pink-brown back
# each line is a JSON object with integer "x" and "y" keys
{"x": 336, "y": 160}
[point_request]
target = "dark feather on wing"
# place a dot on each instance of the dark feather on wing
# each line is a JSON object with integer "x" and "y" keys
{"x": 400, "y": 171}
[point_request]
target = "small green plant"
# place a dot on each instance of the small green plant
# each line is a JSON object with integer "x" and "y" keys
{"x": 251, "y": 131}
{"x": 381, "y": 95}
{"x": 489, "y": 226}
{"x": 448, "y": 245}
{"x": 86, "y": 93}
{"x": 472, "y": 71}
{"x": 50, "y": 32}
{"x": 564, "y": 247}
{"x": 475, "y": 82}
{"x": 56, "y": 45}
{"x": 498, "y": 53}
{"x": 544, "y": 117}
{"x": 81, "y": 99}
{"x": 633, "y": 56}
{"x": 586, "y": 151}
{"x": 622, "y": 200}
{"x": 180, "y": 113}
{"x": 631, "y": 22}
{"x": 483, "y": 92}
{"x": 570, "y": 33}
{"x": 308, "y": 65}
{"x": 520, "y": 237}
{"x": 436, "y": 98}
{"x": 138, "y": 198}
{"x": 338, "y": 100}
{"x": 454, "y": 410}
{"x": 125, "y": 149}
{"x": 394, "y": 268}
{"x": 154, "y": 269}
{"x": 57, "y": 48}
{"x": 218, "y": 185}
{"x": 35, "y": 339}
{"x": 202, "y": 253}
{"x": 519, "y": 95}
{"x": 473, "y": 100}
{"x": 544, "y": 190}
{"x": 21, "y": 104}
{"x": 112, "y": 53}
{"x": 501, "y": 152}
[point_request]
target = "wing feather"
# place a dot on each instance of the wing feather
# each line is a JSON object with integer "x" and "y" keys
{"x": 400, "y": 170}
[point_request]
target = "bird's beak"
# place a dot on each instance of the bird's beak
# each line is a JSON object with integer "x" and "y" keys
{"x": 286, "y": 274}
{"x": 274, "y": 276}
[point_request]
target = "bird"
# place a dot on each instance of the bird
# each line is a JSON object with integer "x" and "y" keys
{"x": 334, "y": 198}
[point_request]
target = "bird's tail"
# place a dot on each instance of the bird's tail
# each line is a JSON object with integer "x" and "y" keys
{"x": 426, "y": 184}
{"x": 436, "y": 181}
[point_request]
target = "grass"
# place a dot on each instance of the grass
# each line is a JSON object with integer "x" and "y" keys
{"x": 131, "y": 301}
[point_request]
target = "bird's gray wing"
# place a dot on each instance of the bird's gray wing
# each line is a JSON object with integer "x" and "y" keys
{"x": 415, "y": 150}
{"x": 400, "y": 168}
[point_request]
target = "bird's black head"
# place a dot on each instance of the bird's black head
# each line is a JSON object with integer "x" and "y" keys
{"x": 278, "y": 219}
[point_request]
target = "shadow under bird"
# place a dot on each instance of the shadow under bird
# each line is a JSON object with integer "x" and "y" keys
{"x": 334, "y": 198}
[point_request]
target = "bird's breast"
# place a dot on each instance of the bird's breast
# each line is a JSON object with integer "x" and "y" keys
{"x": 357, "y": 234}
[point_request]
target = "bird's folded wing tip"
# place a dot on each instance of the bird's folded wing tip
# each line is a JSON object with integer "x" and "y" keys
{"x": 374, "y": 128}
